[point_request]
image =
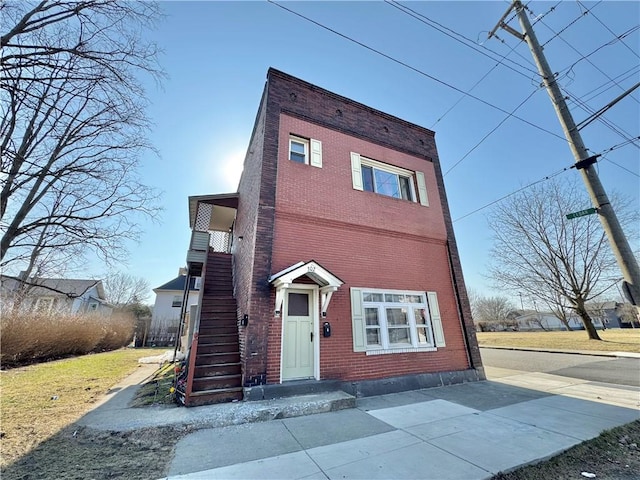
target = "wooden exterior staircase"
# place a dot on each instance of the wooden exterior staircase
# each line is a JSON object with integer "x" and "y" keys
{"x": 214, "y": 371}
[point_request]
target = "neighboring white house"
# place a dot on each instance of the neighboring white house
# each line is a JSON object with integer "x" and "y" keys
{"x": 165, "y": 319}
{"x": 532, "y": 320}
{"x": 47, "y": 295}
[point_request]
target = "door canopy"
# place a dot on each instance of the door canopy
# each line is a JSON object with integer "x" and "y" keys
{"x": 326, "y": 280}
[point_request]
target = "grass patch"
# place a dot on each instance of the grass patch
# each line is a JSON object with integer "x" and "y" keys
{"x": 157, "y": 391}
{"x": 85, "y": 453}
{"x": 40, "y": 400}
{"x": 614, "y": 455}
{"x": 613, "y": 340}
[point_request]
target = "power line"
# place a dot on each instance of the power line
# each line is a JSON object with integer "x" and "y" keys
{"x": 548, "y": 177}
{"x": 491, "y": 132}
{"x": 610, "y": 31}
{"x": 453, "y": 34}
{"x": 623, "y": 167}
{"x": 421, "y": 72}
{"x": 590, "y": 95}
{"x": 582, "y": 15}
{"x": 468, "y": 43}
{"x": 614, "y": 128}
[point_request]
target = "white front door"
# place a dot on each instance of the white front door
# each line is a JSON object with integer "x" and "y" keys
{"x": 298, "y": 335}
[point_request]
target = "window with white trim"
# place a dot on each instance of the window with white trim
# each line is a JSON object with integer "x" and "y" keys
{"x": 177, "y": 301}
{"x": 373, "y": 176}
{"x": 305, "y": 150}
{"x": 44, "y": 304}
{"x": 389, "y": 321}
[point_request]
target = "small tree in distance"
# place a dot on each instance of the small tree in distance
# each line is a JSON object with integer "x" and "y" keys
{"x": 541, "y": 253}
{"x": 492, "y": 313}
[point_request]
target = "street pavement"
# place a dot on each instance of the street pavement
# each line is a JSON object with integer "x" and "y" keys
{"x": 466, "y": 431}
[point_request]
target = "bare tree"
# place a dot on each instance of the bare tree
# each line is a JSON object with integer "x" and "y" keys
{"x": 493, "y": 312}
{"x": 73, "y": 129}
{"x": 123, "y": 289}
{"x": 538, "y": 251}
{"x": 558, "y": 306}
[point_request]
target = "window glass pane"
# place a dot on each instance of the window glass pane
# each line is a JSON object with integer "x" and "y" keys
{"x": 393, "y": 297}
{"x": 387, "y": 183}
{"x": 297, "y": 147}
{"x": 373, "y": 336}
{"x": 371, "y": 316}
{"x": 405, "y": 189}
{"x": 297, "y": 151}
{"x": 367, "y": 178}
{"x": 413, "y": 299}
{"x": 399, "y": 335}
{"x": 423, "y": 335}
{"x": 397, "y": 316}
{"x": 298, "y": 305}
{"x": 372, "y": 297}
{"x": 420, "y": 314}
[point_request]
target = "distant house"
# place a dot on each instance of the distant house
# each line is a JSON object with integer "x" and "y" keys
{"x": 614, "y": 314}
{"x": 167, "y": 309}
{"x": 64, "y": 295}
{"x": 533, "y": 320}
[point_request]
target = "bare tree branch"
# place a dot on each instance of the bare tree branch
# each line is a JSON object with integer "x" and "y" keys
{"x": 73, "y": 128}
{"x": 537, "y": 251}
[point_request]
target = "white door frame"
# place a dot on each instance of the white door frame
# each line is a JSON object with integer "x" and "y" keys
{"x": 314, "y": 307}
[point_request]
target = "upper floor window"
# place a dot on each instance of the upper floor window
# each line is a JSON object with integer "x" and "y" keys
{"x": 308, "y": 151}
{"x": 372, "y": 176}
{"x": 298, "y": 150}
{"x": 177, "y": 301}
{"x": 385, "y": 182}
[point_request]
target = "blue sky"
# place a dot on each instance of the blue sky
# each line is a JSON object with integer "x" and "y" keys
{"x": 216, "y": 55}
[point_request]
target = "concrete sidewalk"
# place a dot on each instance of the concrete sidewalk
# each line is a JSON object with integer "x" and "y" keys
{"x": 465, "y": 431}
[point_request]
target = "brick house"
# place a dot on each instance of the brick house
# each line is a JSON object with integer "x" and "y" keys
{"x": 334, "y": 265}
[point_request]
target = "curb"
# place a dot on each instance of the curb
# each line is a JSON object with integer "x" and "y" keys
{"x": 593, "y": 353}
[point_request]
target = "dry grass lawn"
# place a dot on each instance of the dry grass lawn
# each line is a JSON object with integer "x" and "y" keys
{"x": 38, "y": 401}
{"x": 613, "y": 340}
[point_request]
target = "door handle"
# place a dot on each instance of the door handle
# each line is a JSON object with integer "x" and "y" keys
{"x": 312, "y": 336}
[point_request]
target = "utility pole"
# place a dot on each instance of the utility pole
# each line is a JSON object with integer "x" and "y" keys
{"x": 584, "y": 161}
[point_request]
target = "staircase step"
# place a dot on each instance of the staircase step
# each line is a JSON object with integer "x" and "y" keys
{"x": 215, "y": 330}
{"x": 230, "y": 347}
{"x": 214, "y": 396}
{"x": 217, "y": 382}
{"x": 234, "y": 368}
{"x": 213, "y": 358}
{"x": 218, "y": 337}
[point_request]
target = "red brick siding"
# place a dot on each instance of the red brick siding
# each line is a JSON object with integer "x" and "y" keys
{"x": 373, "y": 134}
{"x": 328, "y": 192}
{"x": 374, "y": 259}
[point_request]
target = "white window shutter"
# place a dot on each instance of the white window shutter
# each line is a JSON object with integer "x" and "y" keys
{"x": 356, "y": 173}
{"x": 357, "y": 321}
{"x": 422, "y": 189}
{"x": 436, "y": 320}
{"x": 316, "y": 153}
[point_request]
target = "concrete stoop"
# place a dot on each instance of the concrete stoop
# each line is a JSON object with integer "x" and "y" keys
{"x": 238, "y": 413}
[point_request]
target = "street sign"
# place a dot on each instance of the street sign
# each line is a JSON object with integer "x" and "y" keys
{"x": 581, "y": 213}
